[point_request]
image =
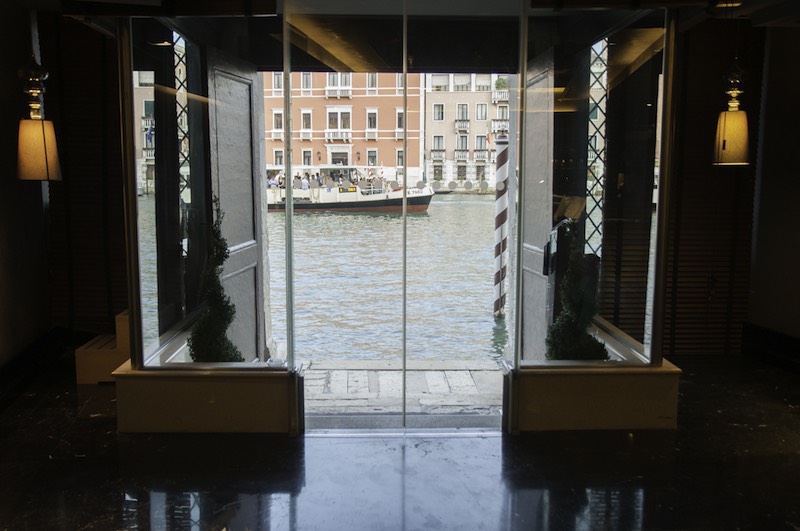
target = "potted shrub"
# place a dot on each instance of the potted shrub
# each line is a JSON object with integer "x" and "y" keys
{"x": 209, "y": 341}
{"x": 567, "y": 338}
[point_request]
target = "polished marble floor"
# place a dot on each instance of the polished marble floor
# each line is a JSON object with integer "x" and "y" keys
{"x": 733, "y": 463}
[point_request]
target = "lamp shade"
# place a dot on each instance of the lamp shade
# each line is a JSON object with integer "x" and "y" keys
{"x": 37, "y": 154}
{"x": 731, "y": 145}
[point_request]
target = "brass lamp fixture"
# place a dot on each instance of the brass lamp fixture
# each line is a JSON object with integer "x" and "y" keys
{"x": 37, "y": 153}
{"x": 731, "y": 147}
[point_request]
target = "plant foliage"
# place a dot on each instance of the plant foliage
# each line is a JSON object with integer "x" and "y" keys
{"x": 209, "y": 341}
{"x": 567, "y": 338}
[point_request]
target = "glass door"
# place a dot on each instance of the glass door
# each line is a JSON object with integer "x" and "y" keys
{"x": 388, "y": 203}
{"x": 342, "y": 209}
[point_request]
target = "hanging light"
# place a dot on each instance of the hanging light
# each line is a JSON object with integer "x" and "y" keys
{"x": 731, "y": 147}
{"x": 37, "y": 153}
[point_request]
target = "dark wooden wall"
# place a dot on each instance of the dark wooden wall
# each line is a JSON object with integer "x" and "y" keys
{"x": 87, "y": 215}
{"x": 711, "y": 208}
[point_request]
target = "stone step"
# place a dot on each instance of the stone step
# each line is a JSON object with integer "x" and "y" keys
{"x": 397, "y": 365}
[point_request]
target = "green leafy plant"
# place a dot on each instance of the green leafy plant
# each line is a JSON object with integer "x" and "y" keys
{"x": 501, "y": 83}
{"x": 209, "y": 341}
{"x": 567, "y": 338}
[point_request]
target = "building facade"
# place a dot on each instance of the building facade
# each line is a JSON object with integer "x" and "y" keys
{"x": 464, "y": 114}
{"x": 345, "y": 119}
{"x": 144, "y": 134}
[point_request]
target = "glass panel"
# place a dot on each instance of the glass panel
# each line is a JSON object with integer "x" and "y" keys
{"x": 199, "y": 222}
{"x": 590, "y": 149}
{"x": 346, "y": 224}
{"x": 453, "y": 331}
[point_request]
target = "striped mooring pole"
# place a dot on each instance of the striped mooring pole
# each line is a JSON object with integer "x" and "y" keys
{"x": 500, "y": 225}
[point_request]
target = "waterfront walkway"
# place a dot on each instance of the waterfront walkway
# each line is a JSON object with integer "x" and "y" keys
{"x": 355, "y": 387}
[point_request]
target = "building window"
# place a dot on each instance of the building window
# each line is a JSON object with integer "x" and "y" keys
{"x": 372, "y": 83}
{"x": 306, "y": 157}
{"x": 339, "y": 126}
{"x": 481, "y": 111}
{"x": 150, "y": 138}
{"x": 480, "y": 172}
{"x": 400, "y": 120}
{"x": 339, "y": 85}
{"x": 305, "y": 83}
{"x": 305, "y": 125}
{"x": 440, "y": 82}
{"x": 372, "y": 157}
{"x": 437, "y": 172}
{"x": 438, "y": 112}
{"x": 338, "y": 119}
{"x": 480, "y": 142}
{"x": 593, "y": 110}
{"x": 333, "y": 79}
{"x": 278, "y": 156}
{"x": 483, "y": 82}
{"x": 149, "y": 108}
{"x": 371, "y": 132}
{"x": 462, "y": 82}
{"x": 401, "y": 159}
{"x": 461, "y": 172}
{"x": 277, "y": 82}
{"x": 399, "y": 83}
{"x": 502, "y": 112}
{"x": 277, "y": 120}
{"x": 462, "y": 111}
{"x": 462, "y": 142}
{"x": 438, "y": 142}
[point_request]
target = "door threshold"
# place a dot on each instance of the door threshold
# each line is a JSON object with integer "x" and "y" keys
{"x": 395, "y": 422}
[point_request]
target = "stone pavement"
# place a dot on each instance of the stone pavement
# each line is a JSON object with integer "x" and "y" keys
{"x": 376, "y": 386}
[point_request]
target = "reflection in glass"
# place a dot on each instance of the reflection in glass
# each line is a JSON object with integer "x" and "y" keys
{"x": 593, "y": 85}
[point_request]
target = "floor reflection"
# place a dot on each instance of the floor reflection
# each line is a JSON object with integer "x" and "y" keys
{"x": 470, "y": 481}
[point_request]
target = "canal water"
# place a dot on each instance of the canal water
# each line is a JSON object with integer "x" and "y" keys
{"x": 348, "y": 288}
{"x": 348, "y": 274}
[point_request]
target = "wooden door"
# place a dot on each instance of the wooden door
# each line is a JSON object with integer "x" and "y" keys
{"x": 236, "y": 145}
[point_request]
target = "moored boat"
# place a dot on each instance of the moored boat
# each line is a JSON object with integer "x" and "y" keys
{"x": 347, "y": 191}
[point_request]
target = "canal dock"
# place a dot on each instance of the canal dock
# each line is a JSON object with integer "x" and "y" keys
{"x": 375, "y": 387}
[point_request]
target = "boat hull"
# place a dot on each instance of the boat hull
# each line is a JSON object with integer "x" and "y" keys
{"x": 415, "y": 204}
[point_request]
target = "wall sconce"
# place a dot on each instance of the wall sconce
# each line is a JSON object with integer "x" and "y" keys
{"x": 319, "y": 155}
{"x": 37, "y": 153}
{"x": 731, "y": 146}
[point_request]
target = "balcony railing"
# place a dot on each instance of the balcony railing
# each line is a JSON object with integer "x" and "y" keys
{"x": 492, "y": 155}
{"x": 332, "y": 92}
{"x": 148, "y": 122}
{"x": 305, "y": 135}
{"x": 481, "y": 154}
{"x": 149, "y": 153}
{"x": 462, "y": 154}
{"x": 499, "y": 125}
{"x": 437, "y": 155}
{"x": 372, "y": 134}
{"x": 398, "y": 134}
{"x": 337, "y": 134}
{"x": 462, "y": 126}
{"x": 499, "y": 95}
{"x": 277, "y": 134}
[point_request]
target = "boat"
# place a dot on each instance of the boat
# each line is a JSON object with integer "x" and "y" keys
{"x": 346, "y": 189}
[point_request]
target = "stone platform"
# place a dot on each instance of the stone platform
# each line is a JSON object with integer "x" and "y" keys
{"x": 354, "y": 387}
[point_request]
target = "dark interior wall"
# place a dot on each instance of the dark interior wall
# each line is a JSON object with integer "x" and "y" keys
{"x": 775, "y": 290}
{"x": 24, "y": 277}
{"x": 87, "y": 213}
{"x": 711, "y": 208}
